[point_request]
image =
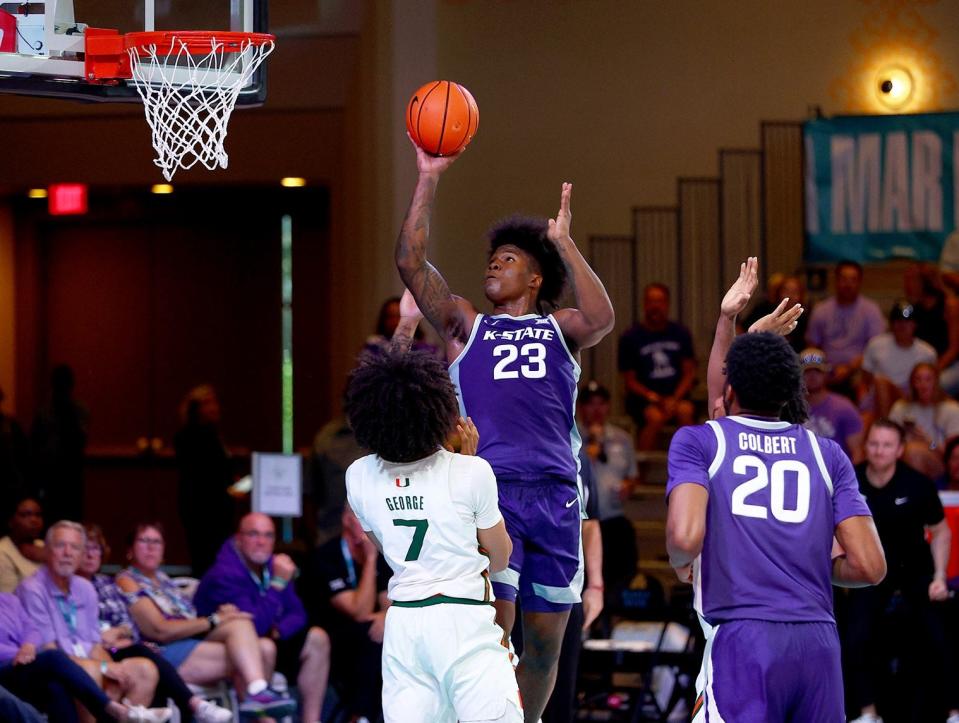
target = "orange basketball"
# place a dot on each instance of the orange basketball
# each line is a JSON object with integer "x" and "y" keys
{"x": 442, "y": 117}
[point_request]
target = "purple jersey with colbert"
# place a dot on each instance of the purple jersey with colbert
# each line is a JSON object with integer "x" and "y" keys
{"x": 517, "y": 379}
{"x": 776, "y": 494}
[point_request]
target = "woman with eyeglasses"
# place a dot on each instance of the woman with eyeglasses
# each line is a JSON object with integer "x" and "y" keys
{"x": 929, "y": 418}
{"x": 121, "y": 636}
{"x": 204, "y": 650}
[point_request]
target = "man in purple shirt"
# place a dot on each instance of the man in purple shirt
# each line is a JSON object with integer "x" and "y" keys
{"x": 64, "y": 611}
{"x": 247, "y": 574}
{"x": 843, "y": 324}
{"x": 831, "y": 415}
{"x": 775, "y": 496}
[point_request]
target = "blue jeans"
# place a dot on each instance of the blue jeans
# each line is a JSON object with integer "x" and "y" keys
{"x": 51, "y": 682}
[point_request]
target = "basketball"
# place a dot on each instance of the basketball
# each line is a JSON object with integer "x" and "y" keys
{"x": 442, "y": 117}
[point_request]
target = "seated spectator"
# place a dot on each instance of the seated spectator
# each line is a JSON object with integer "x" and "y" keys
{"x": 121, "y": 637}
{"x": 62, "y": 608}
{"x": 906, "y": 508}
{"x": 930, "y": 419}
{"x": 936, "y": 311}
{"x": 843, "y": 324}
{"x": 659, "y": 368}
{"x": 345, "y": 585}
{"x": 49, "y": 679}
{"x": 21, "y": 551}
{"x": 612, "y": 462}
{"x": 891, "y": 356}
{"x": 831, "y": 415}
{"x": 204, "y": 650}
{"x": 785, "y": 287}
{"x": 247, "y": 574}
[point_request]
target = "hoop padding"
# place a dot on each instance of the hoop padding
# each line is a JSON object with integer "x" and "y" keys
{"x": 189, "y": 83}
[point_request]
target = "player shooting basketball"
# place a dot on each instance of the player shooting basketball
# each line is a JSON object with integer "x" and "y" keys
{"x": 516, "y": 372}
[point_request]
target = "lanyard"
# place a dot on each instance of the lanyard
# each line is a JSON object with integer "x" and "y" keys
{"x": 350, "y": 567}
{"x": 68, "y": 609}
{"x": 262, "y": 582}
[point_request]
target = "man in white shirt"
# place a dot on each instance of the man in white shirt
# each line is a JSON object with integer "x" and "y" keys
{"x": 891, "y": 356}
{"x": 435, "y": 516}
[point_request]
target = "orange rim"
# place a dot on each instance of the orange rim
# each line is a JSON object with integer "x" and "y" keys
{"x": 197, "y": 42}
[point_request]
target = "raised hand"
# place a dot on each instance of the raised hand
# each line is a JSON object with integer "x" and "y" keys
{"x": 781, "y": 320}
{"x": 408, "y": 307}
{"x": 284, "y": 567}
{"x": 469, "y": 436}
{"x": 432, "y": 165}
{"x": 559, "y": 227}
{"x": 738, "y": 295}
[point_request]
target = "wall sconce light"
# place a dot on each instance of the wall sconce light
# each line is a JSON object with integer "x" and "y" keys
{"x": 161, "y": 189}
{"x": 292, "y": 182}
{"x": 894, "y": 87}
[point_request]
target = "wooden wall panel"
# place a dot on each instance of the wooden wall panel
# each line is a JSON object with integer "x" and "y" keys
{"x": 699, "y": 291}
{"x": 656, "y": 229}
{"x": 783, "y": 210}
{"x": 612, "y": 259}
{"x": 740, "y": 174}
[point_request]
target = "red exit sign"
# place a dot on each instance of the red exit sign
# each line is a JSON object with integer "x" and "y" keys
{"x": 67, "y": 199}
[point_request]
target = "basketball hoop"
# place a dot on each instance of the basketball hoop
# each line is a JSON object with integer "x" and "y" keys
{"x": 189, "y": 82}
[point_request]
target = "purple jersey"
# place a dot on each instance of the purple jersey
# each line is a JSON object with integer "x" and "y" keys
{"x": 517, "y": 379}
{"x": 776, "y": 494}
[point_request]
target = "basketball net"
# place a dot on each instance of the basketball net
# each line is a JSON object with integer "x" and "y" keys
{"x": 188, "y": 97}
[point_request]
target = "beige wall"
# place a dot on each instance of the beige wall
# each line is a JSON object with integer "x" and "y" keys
{"x": 623, "y": 97}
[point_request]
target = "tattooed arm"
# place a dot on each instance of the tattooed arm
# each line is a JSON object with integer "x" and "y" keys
{"x": 410, "y": 317}
{"x": 451, "y": 316}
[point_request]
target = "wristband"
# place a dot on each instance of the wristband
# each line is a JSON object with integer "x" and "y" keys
{"x": 213, "y": 619}
{"x": 278, "y": 583}
{"x": 103, "y": 667}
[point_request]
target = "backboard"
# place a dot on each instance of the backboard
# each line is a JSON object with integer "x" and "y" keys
{"x": 42, "y": 43}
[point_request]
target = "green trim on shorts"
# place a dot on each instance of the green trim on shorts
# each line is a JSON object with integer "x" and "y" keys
{"x": 438, "y": 600}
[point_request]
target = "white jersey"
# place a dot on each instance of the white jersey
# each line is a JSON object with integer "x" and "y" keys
{"x": 425, "y": 515}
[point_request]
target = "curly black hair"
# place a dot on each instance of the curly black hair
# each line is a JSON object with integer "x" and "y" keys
{"x": 528, "y": 234}
{"x": 764, "y": 372}
{"x": 401, "y": 405}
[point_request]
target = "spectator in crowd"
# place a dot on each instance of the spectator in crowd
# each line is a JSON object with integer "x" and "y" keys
{"x": 58, "y": 439}
{"x": 14, "y": 453}
{"x": 936, "y": 311}
{"x": 843, "y": 324}
{"x": 906, "y": 508}
{"x": 345, "y": 587}
{"x": 334, "y": 449}
{"x": 786, "y": 287}
{"x": 659, "y": 368}
{"x": 930, "y": 419}
{"x": 891, "y": 356}
{"x": 63, "y": 610}
{"x": 249, "y": 575}
{"x": 50, "y": 679}
{"x": 387, "y": 321}
{"x": 831, "y": 415}
{"x": 21, "y": 551}
{"x": 204, "y": 650}
{"x": 612, "y": 463}
{"x": 121, "y": 636}
{"x": 206, "y": 474}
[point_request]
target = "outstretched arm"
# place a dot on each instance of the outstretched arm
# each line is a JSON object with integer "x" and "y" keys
{"x": 410, "y": 316}
{"x": 593, "y": 317}
{"x": 732, "y": 305}
{"x": 429, "y": 288}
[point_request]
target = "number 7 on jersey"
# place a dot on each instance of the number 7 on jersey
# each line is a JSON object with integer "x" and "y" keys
{"x": 419, "y": 532}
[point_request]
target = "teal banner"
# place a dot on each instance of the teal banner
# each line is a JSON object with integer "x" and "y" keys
{"x": 880, "y": 187}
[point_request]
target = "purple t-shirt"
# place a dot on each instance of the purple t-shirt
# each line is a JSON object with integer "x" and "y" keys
{"x": 517, "y": 379}
{"x": 776, "y": 494}
{"x": 16, "y": 628}
{"x": 69, "y": 620}
{"x": 843, "y": 331}
{"x": 835, "y": 418}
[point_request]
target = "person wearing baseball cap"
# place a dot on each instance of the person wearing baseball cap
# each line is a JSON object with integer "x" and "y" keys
{"x": 890, "y": 357}
{"x": 831, "y": 415}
